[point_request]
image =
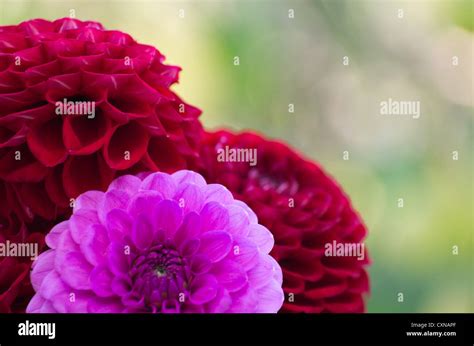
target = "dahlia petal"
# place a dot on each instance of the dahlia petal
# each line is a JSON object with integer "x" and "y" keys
{"x": 121, "y": 285}
{"x": 326, "y": 289}
{"x": 101, "y": 281}
{"x": 144, "y": 202}
{"x": 277, "y": 271}
{"x": 119, "y": 224}
{"x": 82, "y": 173}
{"x": 221, "y": 303}
{"x": 345, "y": 303}
{"x": 189, "y": 229}
{"x": 78, "y": 137}
{"x": 218, "y": 193}
{"x": 203, "y": 289}
{"x": 41, "y": 267}
{"x": 128, "y": 183}
{"x": 270, "y": 298}
{"x": 52, "y": 238}
{"x": 47, "y": 308}
{"x": 35, "y": 196}
{"x": 113, "y": 199}
{"x": 189, "y": 197}
{"x": 261, "y": 274}
{"x": 35, "y": 304}
{"x": 244, "y": 299}
{"x": 127, "y": 146}
{"x": 46, "y": 144}
{"x": 251, "y": 214}
{"x": 230, "y": 275}
{"x": 200, "y": 264}
{"x": 94, "y": 244}
{"x": 262, "y": 237}
{"x": 118, "y": 258}
{"x": 52, "y": 286}
{"x": 65, "y": 244}
{"x": 190, "y": 177}
{"x": 99, "y": 305}
{"x": 55, "y": 189}
{"x": 216, "y": 245}
{"x": 80, "y": 222}
{"x": 88, "y": 200}
{"x": 143, "y": 232}
{"x": 75, "y": 271}
{"x": 73, "y": 302}
{"x": 294, "y": 283}
{"x": 160, "y": 182}
{"x": 163, "y": 152}
{"x": 25, "y": 170}
{"x": 306, "y": 267}
{"x": 189, "y": 247}
{"x": 133, "y": 301}
{"x": 168, "y": 217}
{"x": 238, "y": 221}
{"x": 214, "y": 216}
{"x": 245, "y": 253}
{"x": 360, "y": 284}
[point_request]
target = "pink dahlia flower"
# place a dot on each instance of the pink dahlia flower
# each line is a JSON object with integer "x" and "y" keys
{"x": 167, "y": 243}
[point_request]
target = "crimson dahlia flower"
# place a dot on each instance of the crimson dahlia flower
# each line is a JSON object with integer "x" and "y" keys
{"x": 167, "y": 243}
{"x": 81, "y": 105}
{"x": 305, "y": 210}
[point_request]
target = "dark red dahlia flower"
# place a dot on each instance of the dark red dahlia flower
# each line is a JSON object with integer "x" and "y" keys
{"x": 311, "y": 218}
{"x": 80, "y": 105}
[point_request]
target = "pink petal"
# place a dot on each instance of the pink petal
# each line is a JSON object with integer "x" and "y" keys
{"x": 203, "y": 289}
{"x": 214, "y": 216}
{"x": 75, "y": 271}
{"x": 216, "y": 245}
{"x": 161, "y": 182}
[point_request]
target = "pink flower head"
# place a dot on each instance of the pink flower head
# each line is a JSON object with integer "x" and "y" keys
{"x": 164, "y": 243}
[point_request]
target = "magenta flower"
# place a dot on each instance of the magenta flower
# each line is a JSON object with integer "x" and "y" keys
{"x": 167, "y": 243}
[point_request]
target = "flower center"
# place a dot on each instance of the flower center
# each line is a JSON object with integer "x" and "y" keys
{"x": 160, "y": 271}
{"x": 160, "y": 276}
{"x": 287, "y": 185}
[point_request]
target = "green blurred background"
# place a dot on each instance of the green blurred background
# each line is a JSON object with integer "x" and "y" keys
{"x": 337, "y": 108}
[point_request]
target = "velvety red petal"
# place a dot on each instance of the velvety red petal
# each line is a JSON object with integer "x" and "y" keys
{"x": 126, "y": 146}
{"x": 19, "y": 165}
{"x": 83, "y": 173}
{"x": 82, "y": 135}
{"x": 46, "y": 143}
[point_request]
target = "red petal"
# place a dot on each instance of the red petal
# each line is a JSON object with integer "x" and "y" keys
{"x": 46, "y": 143}
{"x": 83, "y": 136}
{"x": 132, "y": 138}
{"x": 82, "y": 173}
{"x": 54, "y": 187}
{"x": 165, "y": 155}
{"x": 35, "y": 197}
{"x": 26, "y": 169}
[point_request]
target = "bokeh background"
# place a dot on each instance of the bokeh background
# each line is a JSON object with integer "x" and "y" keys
{"x": 402, "y": 50}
